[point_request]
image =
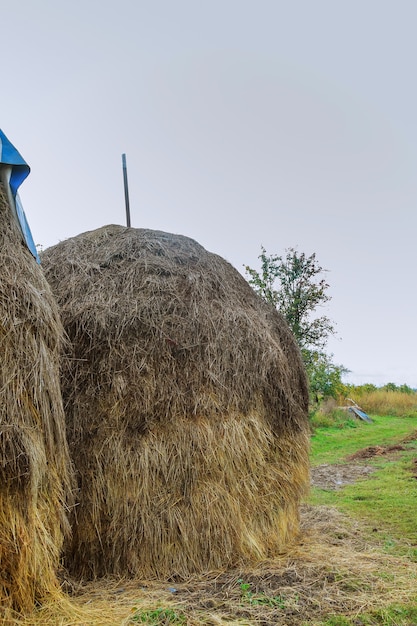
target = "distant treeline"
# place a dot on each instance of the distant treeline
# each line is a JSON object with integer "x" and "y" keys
{"x": 369, "y": 388}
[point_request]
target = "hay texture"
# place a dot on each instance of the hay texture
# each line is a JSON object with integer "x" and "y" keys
{"x": 186, "y": 407}
{"x": 34, "y": 459}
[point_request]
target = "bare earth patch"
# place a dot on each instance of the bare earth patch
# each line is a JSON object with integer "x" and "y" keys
{"x": 331, "y": 477}
{"x": 372, "y": 451}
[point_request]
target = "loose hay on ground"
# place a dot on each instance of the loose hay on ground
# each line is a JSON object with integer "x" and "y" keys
{"x": 34, "y": 460}
{"x": 186, "y": 406}
{"x": 333, "y": 570}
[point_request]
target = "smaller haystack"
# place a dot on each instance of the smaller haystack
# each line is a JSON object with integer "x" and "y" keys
{"x": 34, "y": 460}
{"x": 186, "y": 407}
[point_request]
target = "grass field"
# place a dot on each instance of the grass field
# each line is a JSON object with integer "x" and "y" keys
{"x": 355, "y": 563}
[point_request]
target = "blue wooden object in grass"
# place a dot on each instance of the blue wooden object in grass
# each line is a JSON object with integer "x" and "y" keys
{"x": 361, "y": 414}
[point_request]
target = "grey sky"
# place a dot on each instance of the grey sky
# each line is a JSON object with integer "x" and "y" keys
{"x": 245, "y": 123}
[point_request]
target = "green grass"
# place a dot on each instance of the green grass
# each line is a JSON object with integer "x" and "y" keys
{"x": 387, "y": 499}
{"x": 394, "y": 615}
{"x": 158, "y": 617}
{"x": 333, "y": 444}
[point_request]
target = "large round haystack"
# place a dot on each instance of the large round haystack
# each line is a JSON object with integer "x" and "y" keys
{"x": 186, "y": 407}
{"x": 34, "y": 459}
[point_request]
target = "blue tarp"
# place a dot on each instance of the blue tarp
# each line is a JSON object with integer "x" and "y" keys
{"x": 19, "y": 171}
{"x": 361, "y": 414}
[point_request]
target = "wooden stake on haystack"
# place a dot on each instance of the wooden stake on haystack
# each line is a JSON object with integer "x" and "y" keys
{"x": 126, "y": 190}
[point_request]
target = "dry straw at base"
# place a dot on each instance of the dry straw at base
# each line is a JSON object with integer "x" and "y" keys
{"x": 186, "y": 407}
{"x": 34, "y": 459}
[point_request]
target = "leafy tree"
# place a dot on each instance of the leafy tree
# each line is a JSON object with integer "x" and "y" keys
{"x": 325, "y": 377}
{"x": 294, "y": 284}
{"x": 401, "y": 388}
{"x": 406, "y": 389}
{"x": 360, "y": 390}
{"x": 390, "y": 387}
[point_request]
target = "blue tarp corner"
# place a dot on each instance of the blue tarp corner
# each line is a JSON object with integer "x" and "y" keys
{"x": 14, "y": 171}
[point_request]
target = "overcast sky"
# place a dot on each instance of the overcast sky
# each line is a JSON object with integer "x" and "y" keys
{"x": 245, "y": 123}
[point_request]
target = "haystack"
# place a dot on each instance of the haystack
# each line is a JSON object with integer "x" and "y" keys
{"x": 186, "y": 407}
{"x": 34, "y": 459}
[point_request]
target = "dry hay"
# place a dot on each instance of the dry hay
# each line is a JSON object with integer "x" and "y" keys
{"x": 339, "y": 568}
{"x": 186, "y": 407}
{"x": 34, "y": 459}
